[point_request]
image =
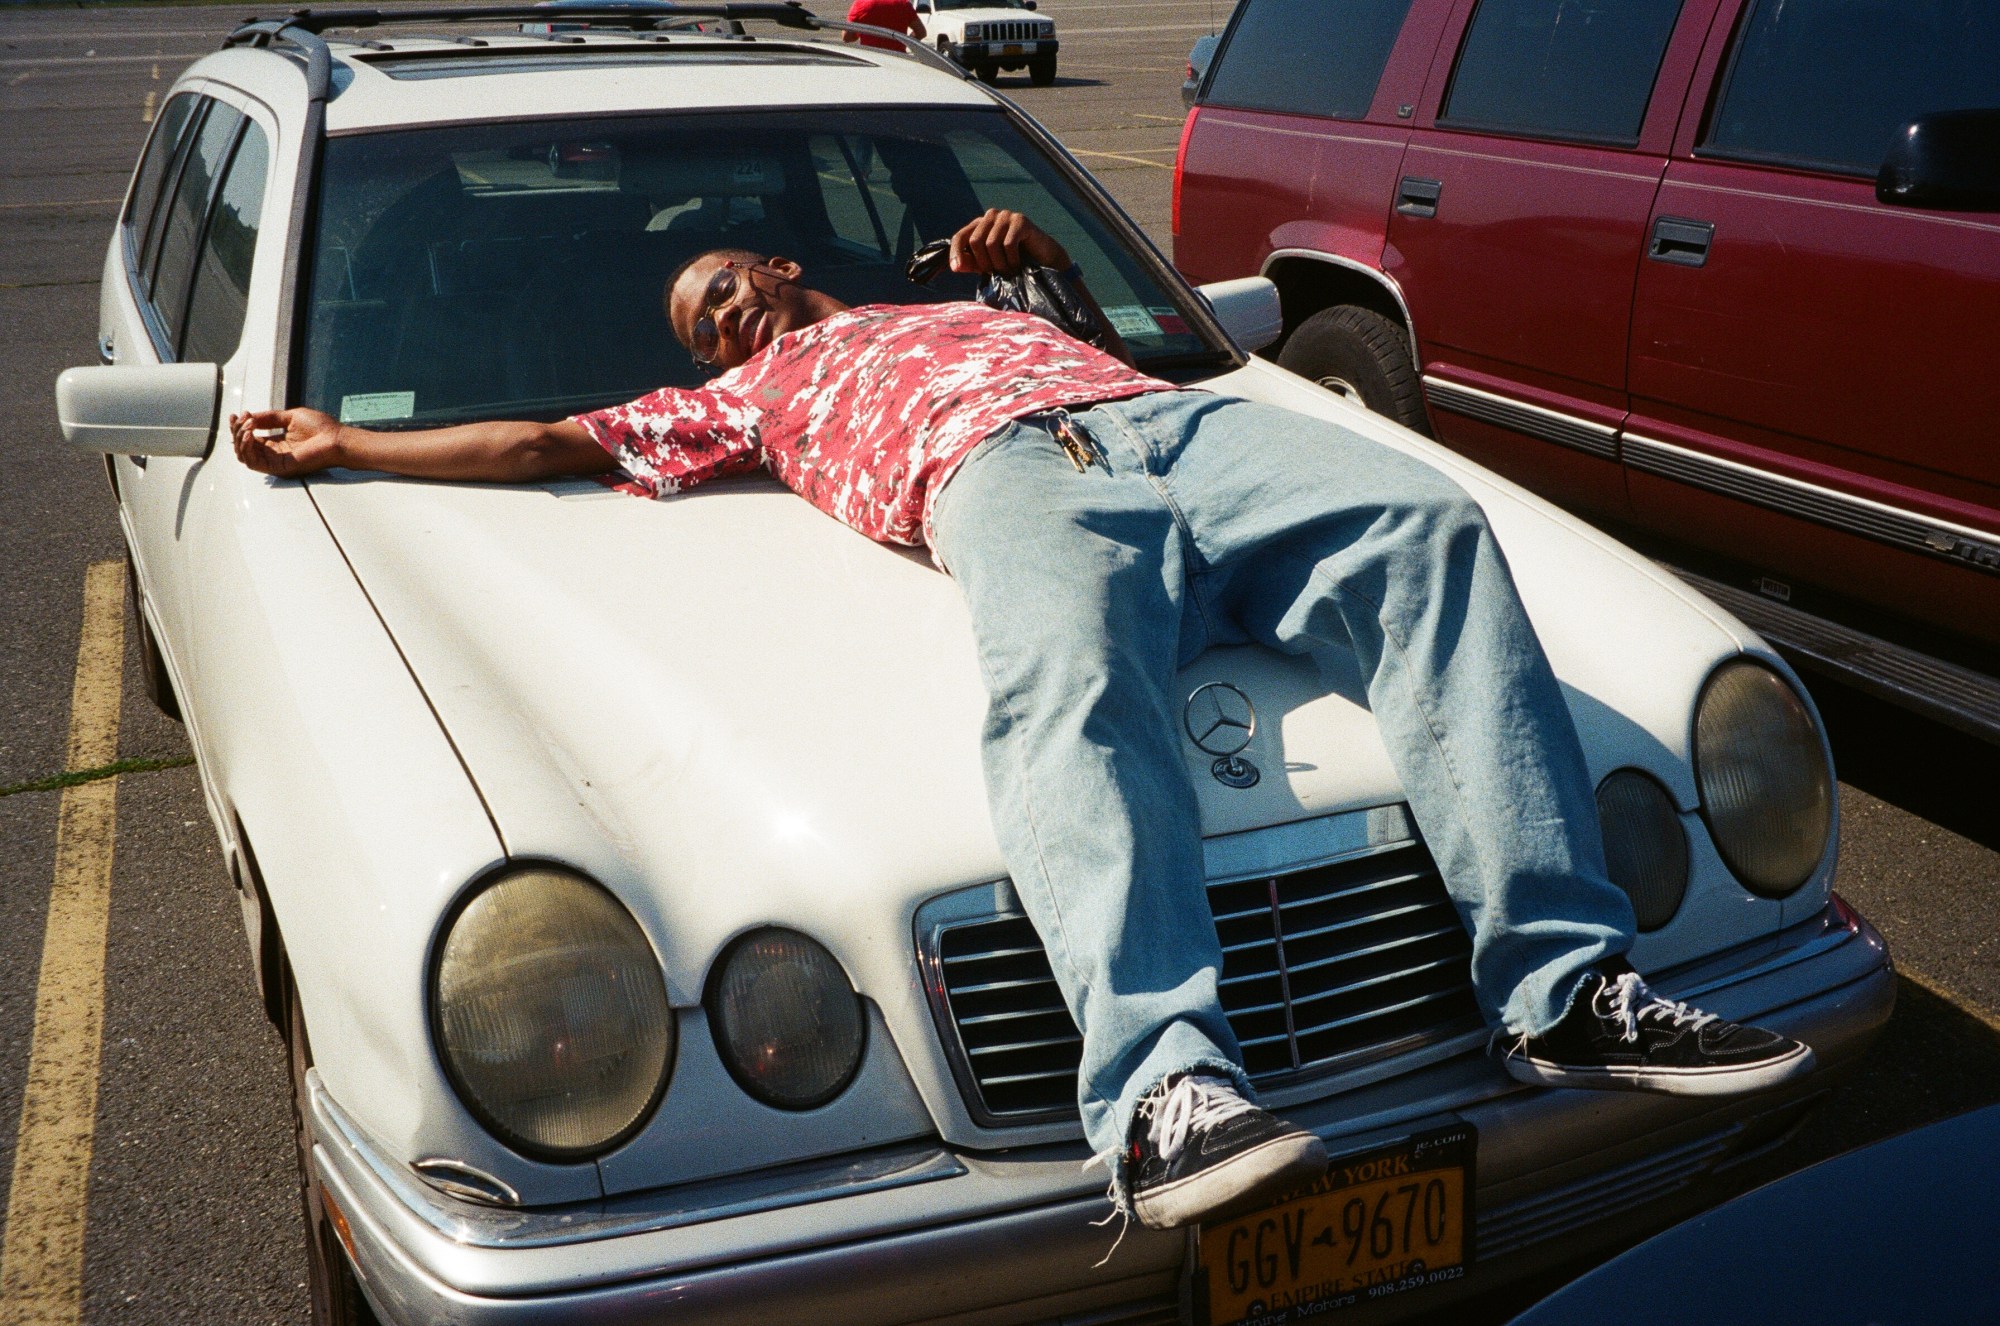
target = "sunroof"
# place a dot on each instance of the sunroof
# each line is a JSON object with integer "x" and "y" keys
{"x": 455, "y": 64}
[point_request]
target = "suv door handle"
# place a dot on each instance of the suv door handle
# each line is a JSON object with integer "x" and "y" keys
{"x": 1418, "y": 197}
{"x": 1680, "y": 241}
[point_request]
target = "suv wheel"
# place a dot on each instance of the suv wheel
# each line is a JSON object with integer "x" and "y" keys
{"x": 1361, "y": 355}
{"x": 1042, "y": 70}
{"x": 988, "y": 73}
{"x": 152, "y": 664}
{"x": 337, "y": 1299}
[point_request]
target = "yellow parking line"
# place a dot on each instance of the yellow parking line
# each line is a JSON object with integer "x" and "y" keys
{"x": 41, "y": 1260}
{"x": 1120, "y": 156}
{"x": 146, "y": 112}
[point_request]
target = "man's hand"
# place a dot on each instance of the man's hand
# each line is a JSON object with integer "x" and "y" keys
{"x": 287, "y": 443}
{"x": 1001, "y": 242}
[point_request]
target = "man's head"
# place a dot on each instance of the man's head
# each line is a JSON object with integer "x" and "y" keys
{"x": 727, "y": 304}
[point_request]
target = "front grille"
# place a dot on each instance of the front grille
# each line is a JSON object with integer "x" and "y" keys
{"x": 1340, "y": 962}
{"x": 1010, "y": 30}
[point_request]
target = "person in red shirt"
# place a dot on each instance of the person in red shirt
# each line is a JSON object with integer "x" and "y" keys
{"x": 1099, "y": 552}
{"x": 895, "y": 15}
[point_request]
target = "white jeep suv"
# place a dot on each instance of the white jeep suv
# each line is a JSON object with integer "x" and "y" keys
{"x": 988, "y": 36}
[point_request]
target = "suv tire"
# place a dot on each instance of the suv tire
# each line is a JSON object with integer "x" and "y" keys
{"x": 988, "y": 73}
{"x": 336, "y": 1295}
{"x": 1042, "y": 70}
{"x": 1361, "y": 355}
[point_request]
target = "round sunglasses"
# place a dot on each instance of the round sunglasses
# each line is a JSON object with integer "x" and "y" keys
{"x": 704, "y": 340}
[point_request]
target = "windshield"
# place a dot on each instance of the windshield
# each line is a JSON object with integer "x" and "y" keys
{"x": 980, "y": 4}
{"x": 515, "y": 270}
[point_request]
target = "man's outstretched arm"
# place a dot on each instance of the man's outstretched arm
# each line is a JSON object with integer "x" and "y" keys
{"x": 290, "y": 443}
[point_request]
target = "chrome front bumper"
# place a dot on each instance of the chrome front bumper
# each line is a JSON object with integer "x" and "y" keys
{"x": 978, "y": 52}
{"x": 926, "y": 1232}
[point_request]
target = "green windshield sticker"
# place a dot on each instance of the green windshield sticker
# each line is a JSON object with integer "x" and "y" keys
{"x": 1132, "y": 320}
{"x": 371, "y": 406}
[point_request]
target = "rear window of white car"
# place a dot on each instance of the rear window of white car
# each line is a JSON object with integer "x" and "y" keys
{"x": 515, "y": 270}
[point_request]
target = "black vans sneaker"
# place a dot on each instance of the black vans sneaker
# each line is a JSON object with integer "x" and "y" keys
{"x": 1619, "y": 1035}
{"x": 1199, "y": 1150}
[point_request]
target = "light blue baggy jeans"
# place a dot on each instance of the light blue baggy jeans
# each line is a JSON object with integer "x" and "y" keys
{"x": 1208, "y": 520}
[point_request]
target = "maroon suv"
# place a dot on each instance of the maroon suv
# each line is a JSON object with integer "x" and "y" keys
{"x": 1722, "y": 274}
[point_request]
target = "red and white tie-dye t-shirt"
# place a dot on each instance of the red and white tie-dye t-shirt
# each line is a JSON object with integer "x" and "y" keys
{"x": 867, "y": 413}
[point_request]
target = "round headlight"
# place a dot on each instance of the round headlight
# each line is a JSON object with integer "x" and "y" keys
{"x": 1645, "y": 847}
{"x": 551, "y": 1015}
{"x": 790, "y": 1026}
{"x": 1766, "y": 788}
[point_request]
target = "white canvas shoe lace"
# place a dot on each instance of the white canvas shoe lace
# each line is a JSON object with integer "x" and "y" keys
{"x": 1629, "y": 1001}
{"x": 1192, "y": 1104}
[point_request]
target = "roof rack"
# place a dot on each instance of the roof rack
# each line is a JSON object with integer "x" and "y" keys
{"x": 784, "y": 12}
{"x": 301, "y": 30}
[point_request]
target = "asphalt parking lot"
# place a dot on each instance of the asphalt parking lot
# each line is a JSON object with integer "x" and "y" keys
{"x": 145, "y": 1159}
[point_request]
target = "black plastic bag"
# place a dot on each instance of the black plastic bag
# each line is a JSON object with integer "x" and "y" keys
{"x": 1037, "y": 290}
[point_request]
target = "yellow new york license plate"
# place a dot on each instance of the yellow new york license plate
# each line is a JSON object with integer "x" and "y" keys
{"x": 1382, "y": 1222}
{"x": 1010, "y": 49}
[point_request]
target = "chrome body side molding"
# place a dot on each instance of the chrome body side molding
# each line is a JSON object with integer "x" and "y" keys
{"x": 1879, "y": 521}
{"x": 1550, "y": 425}
{"x": 1900, "y": 528}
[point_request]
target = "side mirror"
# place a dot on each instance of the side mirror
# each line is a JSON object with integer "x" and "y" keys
{"x": 140, "y": 409}
{"x": 1949, "y": 160}
{"x": 1248, "y": 310}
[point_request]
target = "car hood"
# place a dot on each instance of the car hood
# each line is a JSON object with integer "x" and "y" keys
{"x": 733, "y": 710}
{"x": 998, "y": 14}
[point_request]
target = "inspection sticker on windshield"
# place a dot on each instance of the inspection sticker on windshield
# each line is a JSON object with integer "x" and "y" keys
{"x": 370, "y": 406}
{"x": 1132, "y": 320}
{"x": 1378, "y": 1223}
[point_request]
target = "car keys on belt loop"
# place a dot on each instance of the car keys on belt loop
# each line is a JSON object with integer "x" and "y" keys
{"x": 1071, "y": 439}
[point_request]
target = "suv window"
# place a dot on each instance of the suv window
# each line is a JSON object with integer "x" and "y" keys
{"x": 1827, "y": 85}
{"x": 222, "y": 273}
{"x": 1307, "y": 57}
{"x": 181, "y": 233}
{"x": 160, "y": 151}
{"x": 1580, "y": 69}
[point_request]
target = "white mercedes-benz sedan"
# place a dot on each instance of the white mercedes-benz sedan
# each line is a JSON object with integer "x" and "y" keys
{"x": 619, "y": 871}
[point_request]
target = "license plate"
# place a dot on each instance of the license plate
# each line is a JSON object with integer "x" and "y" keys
{"x": 1380, "y": 1222}
{"x": 1011, "y": 49}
